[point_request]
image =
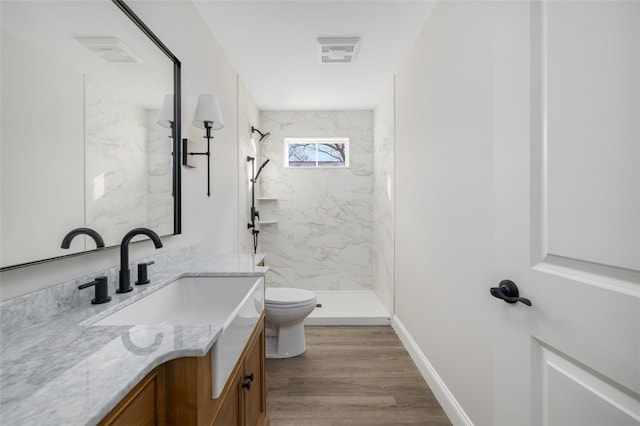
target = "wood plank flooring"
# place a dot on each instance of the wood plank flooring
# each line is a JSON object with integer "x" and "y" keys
{"x": 350, "y": 376}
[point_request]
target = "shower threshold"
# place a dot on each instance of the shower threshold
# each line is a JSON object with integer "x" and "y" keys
{"x": 348, "y": 307}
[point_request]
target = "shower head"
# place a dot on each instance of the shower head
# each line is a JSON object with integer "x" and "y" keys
{"x": 263, "y": 136}
{"x": 255, "y": 179}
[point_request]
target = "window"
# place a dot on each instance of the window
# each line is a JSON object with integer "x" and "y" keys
{"x": 317, "y": 152}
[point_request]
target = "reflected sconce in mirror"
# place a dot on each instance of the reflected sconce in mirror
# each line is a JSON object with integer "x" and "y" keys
{"x": 209, "y": 117}
{"x": 165, "y": 116}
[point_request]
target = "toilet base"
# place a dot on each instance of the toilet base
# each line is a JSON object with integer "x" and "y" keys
{"x": 285, "y": 341}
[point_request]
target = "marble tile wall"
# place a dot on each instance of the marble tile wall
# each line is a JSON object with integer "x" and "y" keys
{"x": 323, "y": 236}
{"x": 128, "y": 166}
{"x": 159, "y": 175}
{"x": 383, "y": 179}
{"x": 116, "y": 163}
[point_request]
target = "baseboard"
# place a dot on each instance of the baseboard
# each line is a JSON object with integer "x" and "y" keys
{"x": 347, "y": 321}
{"x": 446, "y": 399}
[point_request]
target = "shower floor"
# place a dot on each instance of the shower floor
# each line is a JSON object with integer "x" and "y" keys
{"x": 348, "y": 307}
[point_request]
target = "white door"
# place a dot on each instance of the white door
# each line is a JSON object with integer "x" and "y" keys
{"x": 567, "y": 182}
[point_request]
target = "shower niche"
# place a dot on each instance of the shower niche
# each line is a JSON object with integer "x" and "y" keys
{"x": 269, "y": 204}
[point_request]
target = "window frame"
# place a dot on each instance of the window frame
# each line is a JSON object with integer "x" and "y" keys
{"x": 317, "y": 142}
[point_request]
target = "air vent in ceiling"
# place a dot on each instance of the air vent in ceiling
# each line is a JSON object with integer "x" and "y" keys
{"x": 338, "y": 49}
{"x": 111, "y": 49}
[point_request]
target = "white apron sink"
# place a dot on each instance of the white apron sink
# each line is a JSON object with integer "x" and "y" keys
{"x": 233, "y": 302}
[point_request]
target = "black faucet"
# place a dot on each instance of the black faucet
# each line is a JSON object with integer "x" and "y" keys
{"x": 66, "y": 241}
{"x": 124, "y": 285}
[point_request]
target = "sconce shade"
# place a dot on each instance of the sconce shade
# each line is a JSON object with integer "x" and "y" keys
{"x": 165, "y": 117}
{"x": 208, "y": 110}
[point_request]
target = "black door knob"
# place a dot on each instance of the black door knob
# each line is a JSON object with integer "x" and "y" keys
{"x": 508, "y": 291}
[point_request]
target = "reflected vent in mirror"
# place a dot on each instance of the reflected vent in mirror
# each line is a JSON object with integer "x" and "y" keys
{"x": 111, "y": 49}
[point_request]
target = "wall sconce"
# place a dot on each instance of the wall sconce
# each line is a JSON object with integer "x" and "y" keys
{"x": 165, "y": 116}
{"x": 208, "y": 117}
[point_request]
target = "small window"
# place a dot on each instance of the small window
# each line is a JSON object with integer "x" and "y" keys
{"x": 319, "y": 152}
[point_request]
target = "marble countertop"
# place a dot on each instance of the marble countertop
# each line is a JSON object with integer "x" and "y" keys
{"x": 60, "y": 372}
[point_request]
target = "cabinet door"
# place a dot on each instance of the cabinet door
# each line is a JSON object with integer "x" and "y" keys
{"x": 255, "y": 396}
{"x": 142, "y": 406}
{"x": 231, "y": 411}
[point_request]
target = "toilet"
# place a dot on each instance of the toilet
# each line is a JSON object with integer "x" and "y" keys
{"x": 285, "y": 311}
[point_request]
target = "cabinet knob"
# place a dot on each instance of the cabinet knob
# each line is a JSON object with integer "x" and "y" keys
{"x": 247, "y": 385}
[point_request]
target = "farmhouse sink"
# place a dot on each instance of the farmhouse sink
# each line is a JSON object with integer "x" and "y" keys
{"x": 233, "y": 302}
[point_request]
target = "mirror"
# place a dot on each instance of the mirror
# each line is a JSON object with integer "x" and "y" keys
{"x": 82, "y": 86}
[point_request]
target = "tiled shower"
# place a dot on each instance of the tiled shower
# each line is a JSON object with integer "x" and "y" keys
{"x": 318, "y": 225}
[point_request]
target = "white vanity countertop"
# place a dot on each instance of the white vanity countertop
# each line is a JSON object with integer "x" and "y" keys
{"x": 63, "y": 373}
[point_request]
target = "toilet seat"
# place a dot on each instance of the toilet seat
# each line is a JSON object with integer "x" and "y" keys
{"x": 283, "y": 298}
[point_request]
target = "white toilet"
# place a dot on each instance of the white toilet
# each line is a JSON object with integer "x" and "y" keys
{"x": 285, "y": 311}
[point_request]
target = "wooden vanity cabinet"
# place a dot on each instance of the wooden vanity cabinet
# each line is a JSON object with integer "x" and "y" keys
{"x": 246, "y": 401}
{"x": 231, "y": 410}
{"x": 182, "y": 392}
{"x": 143, "y": 405}
{"x": 254, "y": 388}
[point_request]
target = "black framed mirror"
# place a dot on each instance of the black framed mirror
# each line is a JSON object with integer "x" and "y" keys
{"x": 83, "y": 84}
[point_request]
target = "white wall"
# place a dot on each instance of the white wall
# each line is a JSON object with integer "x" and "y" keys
{"x": 32, "y": 82}
{"x": 383, "y": 198}
{"x": 444, "y": 203}
{"x": 323, "y": 238}
{"x": 205, "y": 69}
{"x": 211, "y": 221}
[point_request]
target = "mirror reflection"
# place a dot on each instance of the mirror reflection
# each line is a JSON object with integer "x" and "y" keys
{"x": 81, "y": 146}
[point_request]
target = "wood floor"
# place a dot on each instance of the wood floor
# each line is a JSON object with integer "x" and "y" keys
{"x": 350, "y": 376}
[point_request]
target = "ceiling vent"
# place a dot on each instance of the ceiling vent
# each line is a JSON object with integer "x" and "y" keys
{"x": 111, "y": 49}
{"x": 336, "y": 50}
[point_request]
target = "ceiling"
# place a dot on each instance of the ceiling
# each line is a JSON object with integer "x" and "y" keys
{"x": 273, "y": 47}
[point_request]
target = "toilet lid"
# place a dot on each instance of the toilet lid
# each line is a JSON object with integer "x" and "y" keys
{"x": 288, "y": 296}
